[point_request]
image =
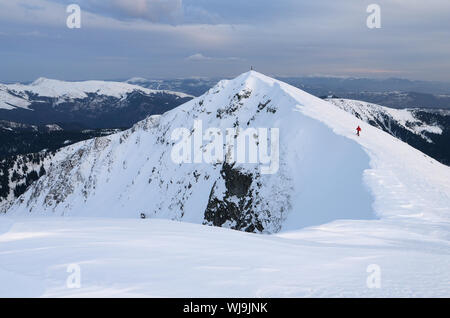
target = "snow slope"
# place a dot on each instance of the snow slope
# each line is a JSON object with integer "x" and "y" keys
{"x": 10, "y": 101}
{"x": 385, "y": 116}
{"x": 160, "y": 258}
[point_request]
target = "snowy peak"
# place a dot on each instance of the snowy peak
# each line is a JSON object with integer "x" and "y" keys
{"x": 42, "y": 81}
{"x": 202, "y": 162}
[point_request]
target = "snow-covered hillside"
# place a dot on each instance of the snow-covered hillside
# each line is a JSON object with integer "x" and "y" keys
{"x": 325, "y": 171}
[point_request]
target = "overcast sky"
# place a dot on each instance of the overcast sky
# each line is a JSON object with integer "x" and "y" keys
{"x": 119, "y": 39}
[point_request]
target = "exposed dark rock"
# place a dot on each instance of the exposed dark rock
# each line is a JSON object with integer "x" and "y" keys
{"x": 236, "y": 204}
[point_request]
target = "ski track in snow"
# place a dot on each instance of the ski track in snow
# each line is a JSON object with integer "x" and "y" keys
{"x": 410, "y": 240}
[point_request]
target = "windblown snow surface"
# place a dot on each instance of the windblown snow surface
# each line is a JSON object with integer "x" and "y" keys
{"x": 338, "y": 205}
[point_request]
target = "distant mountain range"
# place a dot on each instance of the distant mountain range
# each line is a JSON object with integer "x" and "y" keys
{"x": 323, "y": 85}
{"x": 49, "y": 114}
{"x": 83, "y": 105}
{"x": 191, "y": 86}
{"x": 393, "y": 92}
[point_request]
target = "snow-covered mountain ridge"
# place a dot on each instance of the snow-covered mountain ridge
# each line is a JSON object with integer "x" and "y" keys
{"x": 18, "y": 95}
{"x": 425, "y": 129}
{"x": 326, "y": 172}
{"x": 384, "y": 117}
{"x": 88, "y": 104}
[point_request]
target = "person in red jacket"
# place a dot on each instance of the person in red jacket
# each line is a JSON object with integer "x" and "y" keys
{"x": 358, "y": 130}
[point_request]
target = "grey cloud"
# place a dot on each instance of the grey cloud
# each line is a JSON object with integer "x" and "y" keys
{"x": 201, "y": 57}
{"x": 157, "y": 11}
{"x": 152, "y": 10}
